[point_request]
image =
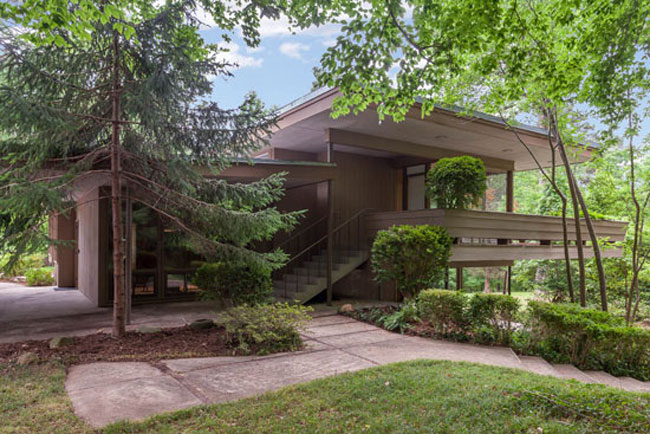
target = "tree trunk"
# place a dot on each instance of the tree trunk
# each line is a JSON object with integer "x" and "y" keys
{"x": 119, "y": 318}
{"x": 602, "y": 280}
{"x": 486, "y": 281}
{"x": 567, "y": 257}
{"x": 576, "y": 217}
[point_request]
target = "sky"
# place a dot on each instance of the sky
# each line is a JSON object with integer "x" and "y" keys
{"x": 279, "y": 70}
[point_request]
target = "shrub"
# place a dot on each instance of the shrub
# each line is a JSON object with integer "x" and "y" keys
{"x": 264, "y": 329}
{"x": 589, "y": 339}
{"x": 444, "y": 310}
{"x": 414, "y": 257}
{"x": 402, "y": 319}
{"x": 21, "y": 265}
{"x": 238, "y": 282}
{"x": 40, "y": 277}
{"x": 492, "y": 317}
{"x": 457, "y": 182}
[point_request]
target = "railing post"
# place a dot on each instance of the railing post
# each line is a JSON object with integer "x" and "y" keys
{"x": 330, "y": 247}
{"x": 330, "y": 226}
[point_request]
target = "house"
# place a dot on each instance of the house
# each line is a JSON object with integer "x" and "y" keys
{"x": 354, "y": 175}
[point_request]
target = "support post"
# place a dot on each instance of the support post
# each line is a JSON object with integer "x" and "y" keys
{"x": 330, "y": 227}
{"x": 128, "y": 284}
{"x": 510, "y": 191}
{"x": 509, "y": 281}
{"x": 459, "y": 278}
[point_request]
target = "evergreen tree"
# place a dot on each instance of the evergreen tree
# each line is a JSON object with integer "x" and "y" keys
{"x": 122, "y": 99}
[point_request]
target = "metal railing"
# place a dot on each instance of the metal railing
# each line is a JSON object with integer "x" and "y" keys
{"x": 343, "y": 237}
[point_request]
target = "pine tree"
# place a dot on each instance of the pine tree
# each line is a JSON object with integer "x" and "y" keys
{"x": 126, "y": 102}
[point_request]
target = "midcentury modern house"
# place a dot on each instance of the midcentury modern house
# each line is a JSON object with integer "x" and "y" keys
{"x": 355, "y": 176}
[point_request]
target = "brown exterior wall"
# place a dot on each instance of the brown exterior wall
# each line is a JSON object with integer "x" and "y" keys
{"x": 88, "y": 215}
{"x": 363, "y": 182}
{"x": 62, "y": 227}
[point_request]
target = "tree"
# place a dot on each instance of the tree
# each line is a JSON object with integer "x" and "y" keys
{"x": 504, "y": 57}
{"x": 458, "y": 182}
{"x": 118, "y": 91}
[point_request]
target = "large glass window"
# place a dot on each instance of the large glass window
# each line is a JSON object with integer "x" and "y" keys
{"x": 415, "y": 187}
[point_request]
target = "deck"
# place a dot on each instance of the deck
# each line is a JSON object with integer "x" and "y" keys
{"x": 485, "y": 238}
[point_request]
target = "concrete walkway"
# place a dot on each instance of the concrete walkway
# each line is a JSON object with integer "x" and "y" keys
{"x": 102, "y": 393}
{"x": 45, "y": 312}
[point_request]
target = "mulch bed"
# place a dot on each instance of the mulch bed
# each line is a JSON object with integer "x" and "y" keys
{"x": 134, "y": 346}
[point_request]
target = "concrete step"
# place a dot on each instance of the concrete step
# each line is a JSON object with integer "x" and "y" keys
{"x": 604, "y": 378}
{"x": 570, "y": 372}
{"x": 634, "y": 385}
{"x": 538, "y": 365}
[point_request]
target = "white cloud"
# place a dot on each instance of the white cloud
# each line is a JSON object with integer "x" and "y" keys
{"x": 280, "y": 27}
{"x": 234, "y": 55}
{"x": 293, "y": 49}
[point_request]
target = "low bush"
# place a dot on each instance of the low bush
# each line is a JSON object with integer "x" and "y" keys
{"x": 492, "y": 317}
{"x": 401, "y": 319}
{"x": 588, "y": 339}
{"x": 234, "y": 281}
{"x": 21, "y": 265}
{"x": 445, "y": 311}
{"x": 264, "y": 329}
{"x": 413, "y": 257}
{"x": 39, "y": 277}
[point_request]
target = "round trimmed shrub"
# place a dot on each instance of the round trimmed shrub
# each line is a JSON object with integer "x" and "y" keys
{"x": 413, "y": 257}
{"x": 457, "y": 182}
{"x": 234, "y": 281}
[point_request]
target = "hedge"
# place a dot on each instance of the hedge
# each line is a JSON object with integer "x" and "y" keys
{"x": 588, "y": 339}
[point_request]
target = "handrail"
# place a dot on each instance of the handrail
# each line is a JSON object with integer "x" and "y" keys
{"x": 302, "y": 231}
{"x": 324, "y": 237}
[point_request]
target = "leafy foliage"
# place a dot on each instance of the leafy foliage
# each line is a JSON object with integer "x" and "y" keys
{"x": 414, "y": 257}
{"x": 401, "y": 319}
{"x": 239, "y": 282}
{"x": 55, "y": 118}
{"x": 589, "y": 339}
{"x": 457, "y": 182}
{"x": 445, "y": 310}
{"x": 39, "y": 277}
{"x": 493, "y": 317}
{"x": 264, "y": 329}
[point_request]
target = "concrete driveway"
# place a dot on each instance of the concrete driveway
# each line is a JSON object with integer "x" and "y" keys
{"x": 44, "y": 312}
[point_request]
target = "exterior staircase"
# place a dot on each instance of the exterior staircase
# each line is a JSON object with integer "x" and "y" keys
{"x": 305, "y": 274}
{"x": 538, "y": 365}
{"x": 309, "y": 279}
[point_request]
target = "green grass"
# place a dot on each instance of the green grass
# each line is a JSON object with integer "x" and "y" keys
{"x": 420, "y": 396}
{"x": 33, "y": 399}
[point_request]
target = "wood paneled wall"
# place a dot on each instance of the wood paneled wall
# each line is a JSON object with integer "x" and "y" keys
{"x": 364, "y": 182}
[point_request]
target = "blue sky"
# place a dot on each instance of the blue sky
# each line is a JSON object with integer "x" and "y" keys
{"x": 279, "y": 70}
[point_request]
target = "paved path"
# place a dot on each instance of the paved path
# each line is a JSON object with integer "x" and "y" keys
{"x": 102, "y": 393}
{"x": 44, "y": 312}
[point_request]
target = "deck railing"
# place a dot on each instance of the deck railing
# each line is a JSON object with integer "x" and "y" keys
{"x": 500, "y": 236}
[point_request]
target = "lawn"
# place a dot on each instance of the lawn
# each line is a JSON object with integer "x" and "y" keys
{"x": 421, "y": 396}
